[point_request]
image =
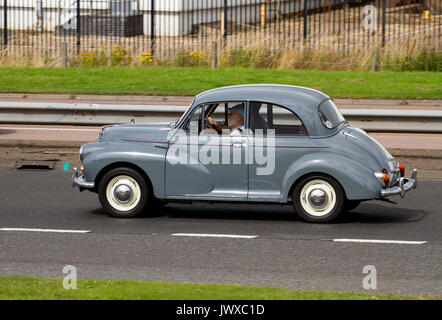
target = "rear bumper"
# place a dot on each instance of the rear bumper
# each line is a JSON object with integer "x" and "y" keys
{"x": 78, "y": 180}
{"x": 403, "y": 187}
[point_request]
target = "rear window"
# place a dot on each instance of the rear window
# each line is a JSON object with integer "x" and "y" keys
{"x": 330, "y": 116}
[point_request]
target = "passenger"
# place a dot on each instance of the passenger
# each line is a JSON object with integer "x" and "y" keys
{"x": 256, "y": 121}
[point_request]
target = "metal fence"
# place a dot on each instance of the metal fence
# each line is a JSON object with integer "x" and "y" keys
{"x": 165, "y": 30}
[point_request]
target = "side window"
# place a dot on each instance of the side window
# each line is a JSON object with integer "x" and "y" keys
{"x": 193, "y": 122}
{"x": 225, "y": 116}
{"x": 218, "y": 112}
{"x": 268, "y": 116}
{"x": 284, "y": 117}
{"x": 258, "y": 117}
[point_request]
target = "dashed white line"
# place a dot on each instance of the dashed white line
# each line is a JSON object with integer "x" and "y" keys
{"x": 211, "y": 235}
{"x": 44, "y": 230}
{"x": 214, "y": 235}
{"x": 379, "y": 241}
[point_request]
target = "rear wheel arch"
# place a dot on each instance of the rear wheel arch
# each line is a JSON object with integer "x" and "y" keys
{"x": 316, "y": 173}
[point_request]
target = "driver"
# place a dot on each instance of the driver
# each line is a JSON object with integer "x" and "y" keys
{"x": 235, "y": 121}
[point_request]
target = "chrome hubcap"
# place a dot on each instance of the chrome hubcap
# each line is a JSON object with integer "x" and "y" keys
{"x": 123, "y": 193}
{"x": 318, "y": 198}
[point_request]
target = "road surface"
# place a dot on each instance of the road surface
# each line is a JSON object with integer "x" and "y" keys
{"x": 220, "y": 243}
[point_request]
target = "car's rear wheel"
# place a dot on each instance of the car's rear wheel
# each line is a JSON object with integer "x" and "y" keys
{"x": 318, "y": 198}
{"x": 123, "y": 193}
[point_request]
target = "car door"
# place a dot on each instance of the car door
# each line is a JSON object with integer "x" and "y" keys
{"x": 285, "y": 140}
{"x": 203, "y": 165}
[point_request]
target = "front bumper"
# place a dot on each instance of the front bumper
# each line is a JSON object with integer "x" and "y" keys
{"x": 403, "y": 187}
{"x": 78, "y": 180}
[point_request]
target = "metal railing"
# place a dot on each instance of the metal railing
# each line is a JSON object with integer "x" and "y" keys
{"x": 170, "y": 29}
{"x": 101, "y": 114}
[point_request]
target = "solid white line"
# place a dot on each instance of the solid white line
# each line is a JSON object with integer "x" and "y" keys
{"x": 213, "y": 235}
{"x": 51, "y": 129}
{"x": 379, "y": 241}
{"x": 44, "y": 230}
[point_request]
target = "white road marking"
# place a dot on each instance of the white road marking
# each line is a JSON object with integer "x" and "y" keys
{"x": 44, "y": 230}
{"x": 379, "y": 241}
{"x": 51, "y": 129}
{"x": 209, "y": 235}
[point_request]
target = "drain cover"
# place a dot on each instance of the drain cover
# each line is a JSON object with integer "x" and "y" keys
{"x": 34, "y": 165}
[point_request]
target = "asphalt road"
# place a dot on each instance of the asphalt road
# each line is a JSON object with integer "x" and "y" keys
{"x": 285, "y": 252}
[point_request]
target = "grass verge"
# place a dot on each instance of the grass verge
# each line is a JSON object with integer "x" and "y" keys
{"x": 19, "y": 288}
{"x": 191, "y": 81}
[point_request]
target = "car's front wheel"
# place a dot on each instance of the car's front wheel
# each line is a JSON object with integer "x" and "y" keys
{"x": 318, "y": 198}
{"x": 123, "y": 193}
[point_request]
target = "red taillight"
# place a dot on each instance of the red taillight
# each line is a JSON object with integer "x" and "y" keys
{"x": 402, "y": 169}
{"x": 386, "y": 179}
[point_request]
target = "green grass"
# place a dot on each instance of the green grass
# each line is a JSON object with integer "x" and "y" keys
{"x": 190, "y": 81}
{"x": 19, "y": 288}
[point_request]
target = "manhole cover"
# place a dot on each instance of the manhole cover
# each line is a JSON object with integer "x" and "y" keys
{"x": 34, "y": 165}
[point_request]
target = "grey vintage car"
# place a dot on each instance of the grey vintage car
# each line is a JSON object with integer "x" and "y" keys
{"x": 249, "y": 143}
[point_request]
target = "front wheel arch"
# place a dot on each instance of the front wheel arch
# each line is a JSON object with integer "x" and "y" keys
{"x": 115, "y": 165}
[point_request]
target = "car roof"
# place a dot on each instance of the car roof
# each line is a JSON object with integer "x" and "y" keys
{"x": 285, "y": 95}
{"x": 301, "y": 100}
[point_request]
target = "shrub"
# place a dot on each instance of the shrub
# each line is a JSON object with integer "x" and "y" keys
{"x": 236, "y": 58}
{"x": 92, "y": 59}
{"x": 146, "y": 59}
{"x": 119, "y": 56}
{"x": 193, "y": 58}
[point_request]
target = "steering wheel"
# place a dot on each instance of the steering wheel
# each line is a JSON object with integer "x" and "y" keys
{"x": 208, "y": 125}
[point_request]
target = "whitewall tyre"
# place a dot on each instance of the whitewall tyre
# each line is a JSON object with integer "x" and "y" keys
{"x": 318, "y": 198}
{"x": 123, "y": 193}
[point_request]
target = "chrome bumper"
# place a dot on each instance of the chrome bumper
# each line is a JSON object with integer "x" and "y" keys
{"x": 78, "y": 180}
{"x": 404, "y": 186}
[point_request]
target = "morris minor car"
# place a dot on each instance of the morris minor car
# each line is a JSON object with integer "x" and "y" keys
{"x": 249, "y": 143}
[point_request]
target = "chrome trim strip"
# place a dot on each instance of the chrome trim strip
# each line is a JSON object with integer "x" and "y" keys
{"x": 378, "y": 176}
